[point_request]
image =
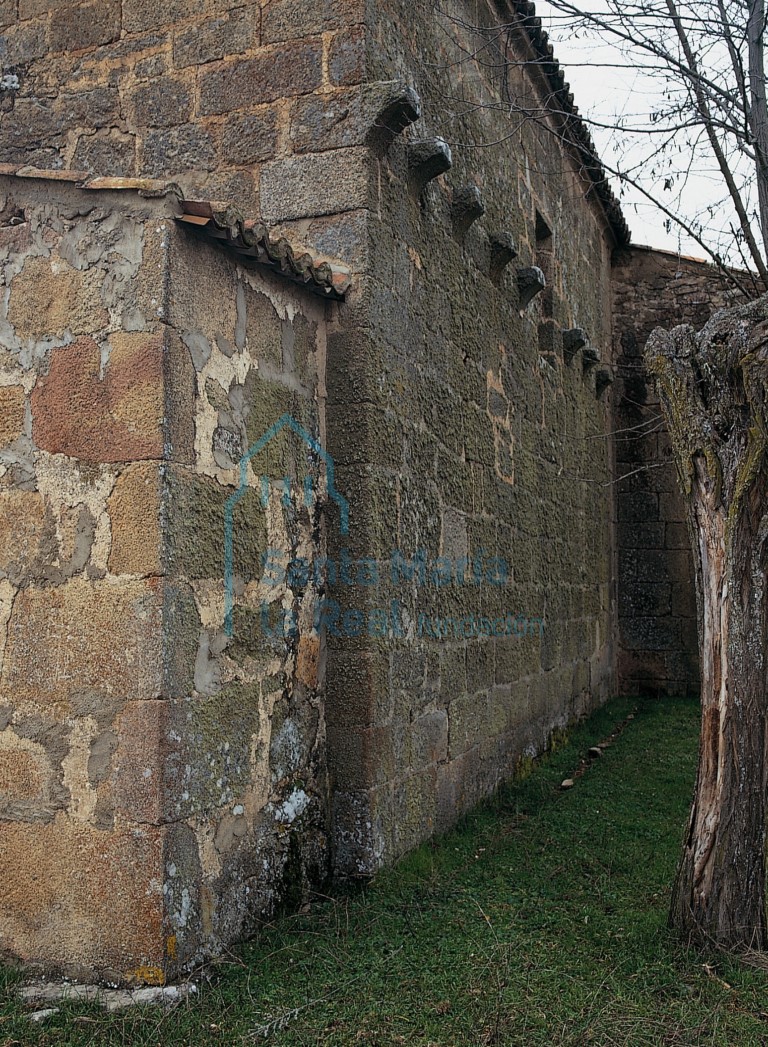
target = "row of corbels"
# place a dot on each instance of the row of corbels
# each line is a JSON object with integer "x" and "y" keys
{"x": 430, "y": 157}
{"x": 576, "y": 341}
{"x": 392, "y": 106}
{"x": 467, "y": 207}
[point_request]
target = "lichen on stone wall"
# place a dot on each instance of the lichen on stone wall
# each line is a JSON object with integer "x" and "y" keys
{"x": 255, "y": 361}
{"x": 127, "y": 712}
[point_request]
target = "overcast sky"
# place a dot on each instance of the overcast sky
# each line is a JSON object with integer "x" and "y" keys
{"x": 604, "y": 86}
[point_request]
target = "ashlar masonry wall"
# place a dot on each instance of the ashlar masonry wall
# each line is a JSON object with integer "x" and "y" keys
{"x": 162, "y": 783}
{"x": 462, "y": 430}
{"x": 207, "y": 92}
{"x": 469, "y": 424}
{"x": 658, "y": 651}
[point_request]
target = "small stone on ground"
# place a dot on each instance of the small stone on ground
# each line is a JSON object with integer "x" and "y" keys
{"x": 40, "y": 1016}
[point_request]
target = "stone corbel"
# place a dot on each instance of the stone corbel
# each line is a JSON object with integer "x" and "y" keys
{"x": 603, "y": 378}
{"x": 573, "y": 340}
{"x": 467, "y": 207}
{"x": 427, "y": 158}
{"x": 530, "y": 282}
{"x": 389, "y": 107}
{"x": 503, "y": 250}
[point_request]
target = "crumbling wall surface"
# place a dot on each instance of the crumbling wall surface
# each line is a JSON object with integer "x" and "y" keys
{"x": 161, "y": 782}
{"x": 209, "y": 92}
{"x": 82, "y": 394}
{"x": 657, "y": 600}
{"x": 472, "y": 443}
{"x": 246, "y": 774}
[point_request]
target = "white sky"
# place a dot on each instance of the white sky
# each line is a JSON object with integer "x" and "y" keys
{"x": 602, "y": 93}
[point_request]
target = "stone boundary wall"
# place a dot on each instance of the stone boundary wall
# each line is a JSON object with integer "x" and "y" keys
{"x": 658, "y": 651}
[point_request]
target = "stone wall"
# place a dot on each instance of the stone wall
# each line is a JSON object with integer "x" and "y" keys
{"x": 82, "y": 639}
{"x": 162, "y": 783}
{"x": 206, "y": 91}
{"x": 468, "y": 610}
{"x": 462, "y": 429}
{"x": 657, "y": 600}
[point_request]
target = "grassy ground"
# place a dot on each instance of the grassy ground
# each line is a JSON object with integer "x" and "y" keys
{"x": 540, "y": 921}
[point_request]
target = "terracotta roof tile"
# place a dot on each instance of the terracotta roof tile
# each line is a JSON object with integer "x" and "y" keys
{"x": 221, "y": 222}
{"x": 249, "y": 239}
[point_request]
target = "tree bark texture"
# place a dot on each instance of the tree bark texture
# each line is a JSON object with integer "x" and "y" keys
{"x": 713, "y": 388}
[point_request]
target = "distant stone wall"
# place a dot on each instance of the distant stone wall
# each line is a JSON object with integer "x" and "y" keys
{"x": 162, "y": 783}
{"x": 658, "y": 651}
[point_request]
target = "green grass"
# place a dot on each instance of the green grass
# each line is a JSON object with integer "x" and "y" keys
{"x": 541, "y": 920}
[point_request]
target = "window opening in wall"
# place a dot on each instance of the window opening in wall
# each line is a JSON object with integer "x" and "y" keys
{"x": 544, "y": 258}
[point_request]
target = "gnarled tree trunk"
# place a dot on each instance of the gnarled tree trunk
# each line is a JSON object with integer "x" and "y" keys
{"x": 713, "y": 388}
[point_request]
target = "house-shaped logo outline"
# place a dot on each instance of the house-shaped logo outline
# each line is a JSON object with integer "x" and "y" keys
{"x": 229, "y": 507}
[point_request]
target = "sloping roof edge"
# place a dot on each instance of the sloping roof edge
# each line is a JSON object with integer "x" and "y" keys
{"x": 220, "y": 222}
{"x": 148, "y": 187}
{"x": 250, "y": 239}
{"x": 578, "y": 134}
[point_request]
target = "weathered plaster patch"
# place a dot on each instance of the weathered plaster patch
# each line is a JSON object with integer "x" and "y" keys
{"x": 209, "y": 600}
{"x": 17, "y": 464}
{"x": 285, "y": 304}
{"x": 82, "y": 734}
{"x": 210, "y": 858}
{"x": 66, "y": 482}
{"x": 225, "y": 371}
{"x": 257, "y": 795}
{"x": 286, "y": 749}
{"x": 199, "y": 348}
{"x": 207, "y": 671}
{"x": 260, "y": 592}
{"x": 75, "y": 531}
{"x": 232, "y": 827}
{"x": 99, "y": 761}
{"x": 7, "y": 593}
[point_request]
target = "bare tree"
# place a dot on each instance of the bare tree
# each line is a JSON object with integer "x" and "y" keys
{"x": 708, "y": 57}
{"x": 704, "y": 61}
{"x": 713, "y": 389}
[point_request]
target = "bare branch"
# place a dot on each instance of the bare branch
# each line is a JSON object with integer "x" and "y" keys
{"x": 725, "y": 169}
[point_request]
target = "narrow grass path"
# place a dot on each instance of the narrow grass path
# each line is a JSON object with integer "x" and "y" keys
{"x": 542, "y": 920}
